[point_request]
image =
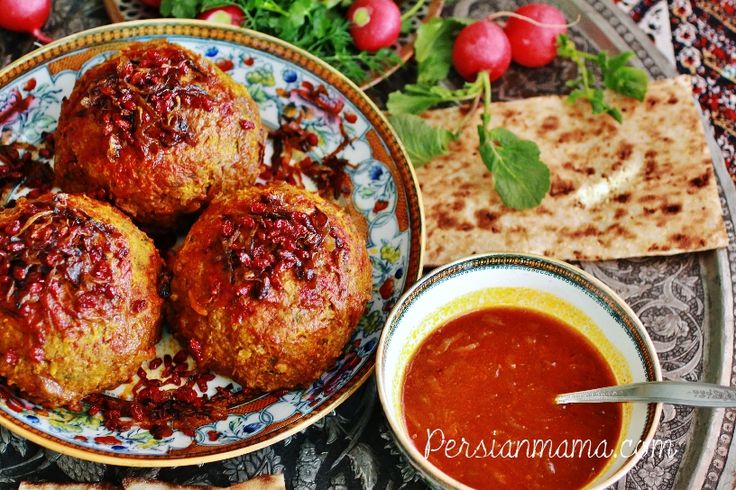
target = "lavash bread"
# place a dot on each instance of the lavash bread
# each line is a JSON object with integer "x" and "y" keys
{"x": 65, "y": 486}
{"x": 263, "y": 482}
{"x": 644, "y": 187}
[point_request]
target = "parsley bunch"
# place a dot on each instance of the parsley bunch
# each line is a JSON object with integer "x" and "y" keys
{"x": 319, "y": 27}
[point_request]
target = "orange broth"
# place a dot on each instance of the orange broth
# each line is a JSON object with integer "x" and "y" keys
{"x": 492, "y": 375}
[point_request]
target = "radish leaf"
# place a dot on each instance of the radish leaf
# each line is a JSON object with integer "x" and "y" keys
{"x": 417, "y": 98}
{"x": 521, "y": 179}
{"x": 421, "y": 141}
{"x": 433, "y": 48}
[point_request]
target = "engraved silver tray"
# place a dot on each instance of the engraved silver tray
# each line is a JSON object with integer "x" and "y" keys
{"x": 685, "y": 301}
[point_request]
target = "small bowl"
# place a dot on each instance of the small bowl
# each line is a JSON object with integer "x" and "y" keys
{"x": 547, "y": 285}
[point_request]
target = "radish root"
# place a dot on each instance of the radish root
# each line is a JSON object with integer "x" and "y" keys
{"x": 41, "y": 36}
{"x": 503, "y": 13}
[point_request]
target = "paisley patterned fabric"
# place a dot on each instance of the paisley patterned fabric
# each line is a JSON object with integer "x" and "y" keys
{"x": 702, "y": 41}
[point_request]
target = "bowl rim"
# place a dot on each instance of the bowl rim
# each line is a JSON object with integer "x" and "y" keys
{"x": 469, "y": 263}
{"x": 199, "y": 29}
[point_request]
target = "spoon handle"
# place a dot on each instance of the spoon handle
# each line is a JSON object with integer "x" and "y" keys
{"x": 673, "y": 392}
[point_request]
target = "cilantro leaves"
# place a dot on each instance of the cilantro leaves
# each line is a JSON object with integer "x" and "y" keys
{"x": 180, "y": 8}
{"x": 614, "y": 74}
{"x": 316, "y": 26}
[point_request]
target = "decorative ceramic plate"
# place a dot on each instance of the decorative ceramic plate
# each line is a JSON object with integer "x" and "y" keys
{"x": 127, "y": 10}
{"x": 384, "y": 191}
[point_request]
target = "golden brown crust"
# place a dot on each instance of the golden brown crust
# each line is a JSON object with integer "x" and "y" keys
{"x": 162, "y": 147}
{"x": 288, "y": 335}
{"x": 80, "y": 308}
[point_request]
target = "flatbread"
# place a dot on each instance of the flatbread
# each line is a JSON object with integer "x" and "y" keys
{"x": 66, "y": 486}
{"x": 644, "y": 187}
{"x": 263, "y": 482}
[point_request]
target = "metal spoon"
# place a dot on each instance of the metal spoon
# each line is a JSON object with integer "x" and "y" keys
{"x": 673, "y": 392}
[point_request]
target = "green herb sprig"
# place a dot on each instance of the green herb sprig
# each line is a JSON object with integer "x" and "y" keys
{"x": 612, "y": 73}
{"x": 315, "y": 26}
{"x": 417, "y": 98}
{"x": 421, "y": 141}
{"x": 520, "y": 178}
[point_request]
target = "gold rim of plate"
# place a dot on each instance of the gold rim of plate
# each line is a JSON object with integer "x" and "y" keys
{"x": 404, "y": 50}
{"x": 262, "y": 42}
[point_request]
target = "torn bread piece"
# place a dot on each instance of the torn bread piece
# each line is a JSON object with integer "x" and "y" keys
{"x": 66, "y": 486}
{"x": 263, "y": 482}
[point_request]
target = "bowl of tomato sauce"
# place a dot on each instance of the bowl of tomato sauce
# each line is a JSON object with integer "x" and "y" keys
{"x": 472, "y": 357}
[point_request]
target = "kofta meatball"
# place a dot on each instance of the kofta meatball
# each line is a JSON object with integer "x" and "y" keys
{"x": 157, "y": 131}
{"x": 79, "y": 307}
{"x": 268, "y": 286}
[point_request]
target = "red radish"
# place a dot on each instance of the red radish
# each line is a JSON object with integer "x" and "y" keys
{"x": 152, "y": 3}
{"x": 374, "y": 24}
{"x": 26, "y": 16}
{"x": 481, "y": 46}
{"x": 229, "y": 14}
{"x": 534, "y": 45}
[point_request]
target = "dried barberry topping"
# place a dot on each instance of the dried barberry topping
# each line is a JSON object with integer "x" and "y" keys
{"x": 330, "y": 177}
{"x": 320, "y": 97}
{"x": 267, "y": 239}
{"x": 56, "y": 265}
{"x": 26, "y": 164}
{"x": 139, "y": 100}
{"x": 292, "y": 142}
{"x": 175, "y": 399}
{"x": 289, "y": 138}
